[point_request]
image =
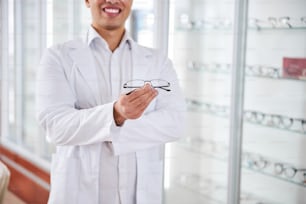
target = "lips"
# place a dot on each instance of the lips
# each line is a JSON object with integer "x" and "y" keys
{"x": 112, "y": 10}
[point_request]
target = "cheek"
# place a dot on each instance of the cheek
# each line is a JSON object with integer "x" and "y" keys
{"x": 95, "y": 13}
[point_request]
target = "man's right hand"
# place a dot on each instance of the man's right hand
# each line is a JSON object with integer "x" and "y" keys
{"x": 133, "y": 105}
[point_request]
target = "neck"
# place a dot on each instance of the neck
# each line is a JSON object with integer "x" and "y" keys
{"x": 112, "y": 37}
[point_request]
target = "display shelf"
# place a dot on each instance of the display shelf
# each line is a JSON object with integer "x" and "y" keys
{"x": 254, "y": 24}
{"x": 250, "y": 161}
{"x": 211, "y": 190}
{"x": 199, "y": 146}
{"x": 276, "y": 177}
{"x": 204, "y": 30}
{"x": 277, "y": 28}
{"x": 204, "y": 187}
{"x": 273, "y": 73}
{"x": 268, "y": 167}
{"x": 275, "y": 121}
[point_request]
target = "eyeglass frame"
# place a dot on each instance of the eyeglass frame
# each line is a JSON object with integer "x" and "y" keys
{"x": 256, "y": 162}
{"x": 148, "y": 81}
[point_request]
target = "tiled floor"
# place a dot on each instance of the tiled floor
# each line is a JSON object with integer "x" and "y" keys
{"x": 10, "y": 198}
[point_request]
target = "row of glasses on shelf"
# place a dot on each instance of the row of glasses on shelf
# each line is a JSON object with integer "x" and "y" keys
{"x": 203, "y": 186}
{"x": 214, "y": 23}
{"x": 219, "y": 150}
{"x": 251, "y": 116}
{"x": 211, "y": 148}
{"x": 275, "y": 120}
{"x": 215, "y": 109}
{"x": 185, "y": 22}
{"x": 280, "y": 22}
{"x": 275, "y": 168}
{"x": 250, "y": 70}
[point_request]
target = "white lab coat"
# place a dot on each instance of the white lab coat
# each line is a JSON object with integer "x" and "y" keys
{"x": 69, "y": 110}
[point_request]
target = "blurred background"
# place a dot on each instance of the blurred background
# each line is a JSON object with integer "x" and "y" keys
{"x": 242, "y": 68}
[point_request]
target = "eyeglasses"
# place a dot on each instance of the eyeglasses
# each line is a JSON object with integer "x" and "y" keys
{"x": 273, "y": 21}
{"x": 288, "y": 171}
{"x": 206, "y": 146}
{"x": 187, "y": 23}
{"x": 263, "y": 71}
{"x": 155, "y": 83}
{"x": 255, "y": 161}
{"x": 214, "y": 67}
{"x": 219, "y": 110}
{"x": 285, "y": 21}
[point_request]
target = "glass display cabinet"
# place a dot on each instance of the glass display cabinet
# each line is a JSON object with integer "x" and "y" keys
{"x": 271, "y": 164}
{"x": 200, "y": 45}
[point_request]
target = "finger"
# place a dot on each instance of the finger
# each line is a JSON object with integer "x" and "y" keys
{"x": 144, "y": 106}
{"x": 136, "y": 93}
{"x": 143, "y": 101}
{"x": 141, "y": 93}
{"x": 128, "y": 93}
{"x": 137, "y": 109}
{"x": 144, "y": 97}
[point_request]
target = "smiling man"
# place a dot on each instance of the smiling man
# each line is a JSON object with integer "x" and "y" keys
{"x": 109, "y": 105}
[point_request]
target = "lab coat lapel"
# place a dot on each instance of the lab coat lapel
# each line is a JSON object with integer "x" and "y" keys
{"x": 142, "y": 61}
{"x": 84, "y": 62}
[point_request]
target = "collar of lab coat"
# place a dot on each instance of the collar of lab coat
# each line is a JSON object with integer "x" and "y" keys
{"x": 92, "y": 35}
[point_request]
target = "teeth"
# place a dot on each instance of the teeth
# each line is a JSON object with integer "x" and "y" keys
{"x": 108, "y": 10}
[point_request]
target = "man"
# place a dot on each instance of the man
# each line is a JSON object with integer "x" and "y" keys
{"x": 108, "y": 139}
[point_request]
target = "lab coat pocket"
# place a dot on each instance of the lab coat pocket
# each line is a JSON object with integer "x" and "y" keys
{"x": 64, "y": 179}
{"x": 149, "y": 185}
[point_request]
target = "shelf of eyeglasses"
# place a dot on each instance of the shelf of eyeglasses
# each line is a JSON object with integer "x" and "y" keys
{"x": 261, "y": 71}
{"x": 251, "y": 161}
{"x": 212, "y": 190}
{"x": 278, "y": 23}
{"x": 282, "y": 122}
{"x": 209, "y": 29}
{"x": 282, "y": 171}
{"x": 271, "y": 23}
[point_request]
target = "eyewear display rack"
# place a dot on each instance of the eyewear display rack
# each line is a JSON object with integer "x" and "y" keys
{"x": 273, "y": 168}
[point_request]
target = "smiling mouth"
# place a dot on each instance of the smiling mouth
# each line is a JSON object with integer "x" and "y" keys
{"x": 112, "y": 10}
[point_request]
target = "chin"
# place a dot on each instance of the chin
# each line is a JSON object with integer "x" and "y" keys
{"x": 112, "y": 27}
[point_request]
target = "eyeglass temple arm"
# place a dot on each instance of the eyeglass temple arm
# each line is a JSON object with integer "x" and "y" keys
{"x": 163, "y": 88}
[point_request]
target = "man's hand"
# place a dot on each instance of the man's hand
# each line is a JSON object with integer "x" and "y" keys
{"x": 132, "y": 106}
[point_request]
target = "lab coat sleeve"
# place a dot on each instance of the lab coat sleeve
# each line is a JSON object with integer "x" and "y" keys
{"x": 56, "y": 113}
{"x": 164, "y": 124}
